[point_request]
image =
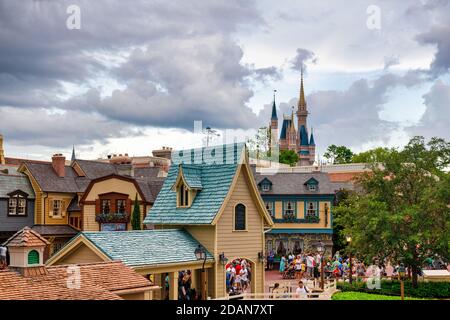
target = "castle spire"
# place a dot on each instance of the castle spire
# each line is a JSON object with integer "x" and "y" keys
{"x": 302, "y": 100}
{"x": 274, "y": 108}
{"x": 73, "y": 153}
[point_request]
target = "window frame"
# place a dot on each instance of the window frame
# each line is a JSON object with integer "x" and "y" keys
{"x": 183, "y": 196}
{"x": 271, "y": 211}
{"x": 308, "y": 210}
{"x": 312, "y": 187}
{"x": 245, "y": 218}
{"x": 294, "y": 209}
{"x": 102, "y": 206}
{"x": 17, "y": 197}
{"x": 265, "y": 187}
{"x": 118, "y": 206}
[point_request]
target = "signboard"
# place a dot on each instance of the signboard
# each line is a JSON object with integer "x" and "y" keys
{"x": 113, "y": 226}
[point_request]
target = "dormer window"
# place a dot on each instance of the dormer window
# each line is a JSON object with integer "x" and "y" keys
{"x": 17, "y": 204}
{"x": 187, "y": 185}
{"x": 265, "y": 187}
{"x": 183, "y": 196}
{"x": 312, "y": 185}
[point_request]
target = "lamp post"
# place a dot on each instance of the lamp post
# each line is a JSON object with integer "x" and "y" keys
{"x": 401, "y": 276}
{"x": 349, "y": 241}
{"x": 321, "y": 250}
{"x": 200, "y": 254}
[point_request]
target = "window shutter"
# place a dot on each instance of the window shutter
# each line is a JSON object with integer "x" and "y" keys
{"x": 50, "y": 207}
{"x": 128, "y": 210}
{"x": 97, "y": 206}
{"x": 63, "y": 208}
{"x": 33, "y": 257}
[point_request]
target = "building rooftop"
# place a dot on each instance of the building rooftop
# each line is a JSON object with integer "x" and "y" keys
{"x": 99, "y": 281}
{"x": 145, "y": 247}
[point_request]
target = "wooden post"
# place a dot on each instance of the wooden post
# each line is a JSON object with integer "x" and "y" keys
{"x": 203, "y": 279}
{"x": 173, "y": 285}
{"x": 402, "y": 289}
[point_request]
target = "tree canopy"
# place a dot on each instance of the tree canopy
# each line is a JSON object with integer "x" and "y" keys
{"x": 403, "y": 211}
{"x": 289, "y": 157}
{"x": 338, "y": 154}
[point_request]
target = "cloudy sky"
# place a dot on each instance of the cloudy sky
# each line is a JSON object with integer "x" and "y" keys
{"x": 137, "y": 74}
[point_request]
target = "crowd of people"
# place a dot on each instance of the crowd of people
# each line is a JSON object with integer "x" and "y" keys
{"x": 238, "y": 276}
{"x": 300, "y": 266}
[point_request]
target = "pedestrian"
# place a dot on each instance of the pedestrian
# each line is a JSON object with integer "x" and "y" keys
{"x": 282, "y": 264}
{"x": 301, "y": 290}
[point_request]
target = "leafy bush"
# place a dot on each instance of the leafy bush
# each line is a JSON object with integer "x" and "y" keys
{"x": 392, "y": 288}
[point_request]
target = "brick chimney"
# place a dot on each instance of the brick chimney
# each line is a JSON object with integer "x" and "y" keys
{"x": 2, "y": 152}
{"x": 58, "y": 164}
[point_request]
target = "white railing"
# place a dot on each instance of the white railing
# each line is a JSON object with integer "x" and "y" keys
{"x": 349, "y": 167}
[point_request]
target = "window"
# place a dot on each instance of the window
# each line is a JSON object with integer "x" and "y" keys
{"x": 289, "y": 208}
{"x": 239, "y": 217}
{"x": 311, "y": 208}
{"x": 17, "y": 205}
{"x": 183, "y": 196}
{"x": 33, "y": 257}
{"x": 121, "y": 206}
{"x": 269, "y": 207}
{"x": 12, "y": 206}
{"x": 57, "y": 207}
{"x": 312, "y": 187}
{"x": 265, "y": 187}
{"x": 106, "y": 206}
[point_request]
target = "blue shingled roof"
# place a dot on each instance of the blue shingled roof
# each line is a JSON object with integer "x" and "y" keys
{"x": 286, "y": 124}
{"x": 192, "y": 176}
{"x": 215, "y": 180}
{"x": 146, "y": 247}
{"x": 274, "y": 111}
{"x": 311, "y": 140}
{"x": 303, "y": 136}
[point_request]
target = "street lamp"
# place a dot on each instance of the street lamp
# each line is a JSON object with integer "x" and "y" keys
{"x": 321, "y": 249}
{"x": 200, "y": 254}
{"x": 349, "y": 241}
{"x": 401, "y": 277}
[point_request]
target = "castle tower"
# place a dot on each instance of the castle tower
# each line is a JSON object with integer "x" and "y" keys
{"x": 2, "y": 152}
{"x": 274, "y": 123}
{"x": 292, "y": 134}
{"x": 302, "y": 111}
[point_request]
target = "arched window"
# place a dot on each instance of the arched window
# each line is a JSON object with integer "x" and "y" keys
{"x": 239, "y": 217}
{"x": 33, "y": 257}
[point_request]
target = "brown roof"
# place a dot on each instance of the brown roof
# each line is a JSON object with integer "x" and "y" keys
{"x": 26, "y": 238}
{"x": 19, "y": 161}
{"x": 54, "y": 230}
{"x": 99, "y": 281}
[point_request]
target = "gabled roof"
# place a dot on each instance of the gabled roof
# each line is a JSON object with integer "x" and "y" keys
{"x": 145, "y": 247}
{"x": 54, "y": 230}
{"x": 215, "y": 180}
{"x": 265, "y": 181}
{"x": 311, "y": 181}
{"x": 190, "y": 175}
{"x": 26, "y": 238}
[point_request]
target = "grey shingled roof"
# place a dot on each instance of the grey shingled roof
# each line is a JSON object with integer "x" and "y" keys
{"x": 146, "y": 247}
{"x": 294, "y": 183}
{"x": 15, "y": 181}
{"x": 54, "y": 230}
{"x": 149, "y": 172}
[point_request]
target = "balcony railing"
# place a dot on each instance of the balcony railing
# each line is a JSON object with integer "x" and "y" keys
{"x": 291, "y": 218}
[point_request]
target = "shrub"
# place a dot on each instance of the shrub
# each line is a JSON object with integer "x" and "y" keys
{"x": 392, "y": 288}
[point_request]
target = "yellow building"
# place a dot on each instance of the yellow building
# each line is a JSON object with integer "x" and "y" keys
{"x": 209, "y": 198}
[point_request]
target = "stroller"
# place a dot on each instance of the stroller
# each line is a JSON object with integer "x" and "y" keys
{"x": 289, "y": 273}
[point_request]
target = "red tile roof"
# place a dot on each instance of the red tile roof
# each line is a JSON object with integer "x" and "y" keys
{"x": 99, "y": 281}
{"x": 26, "y": 238}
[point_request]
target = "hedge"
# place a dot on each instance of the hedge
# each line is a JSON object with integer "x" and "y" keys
{"x": 392, "y": 288}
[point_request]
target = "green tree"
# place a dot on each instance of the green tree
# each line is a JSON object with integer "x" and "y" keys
{"x": 259, "y": 146}
{"x": 136, "y": 216}
{"x": 338, "y": 154}
{"x": 402, "y": 213}
{"x": 289, "y": 157}
{"x": 374, "y": 155}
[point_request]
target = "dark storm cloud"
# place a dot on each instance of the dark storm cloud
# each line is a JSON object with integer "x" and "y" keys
{"x": 435, "y": 122}
{"x": 438, "y": 36}
{"x": 302, "y": 57}
{"x": 187, "y": 66}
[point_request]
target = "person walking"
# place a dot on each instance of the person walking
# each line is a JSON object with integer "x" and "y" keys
{"x": 282, "y": 264}
{"x": 301, "y": 290}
